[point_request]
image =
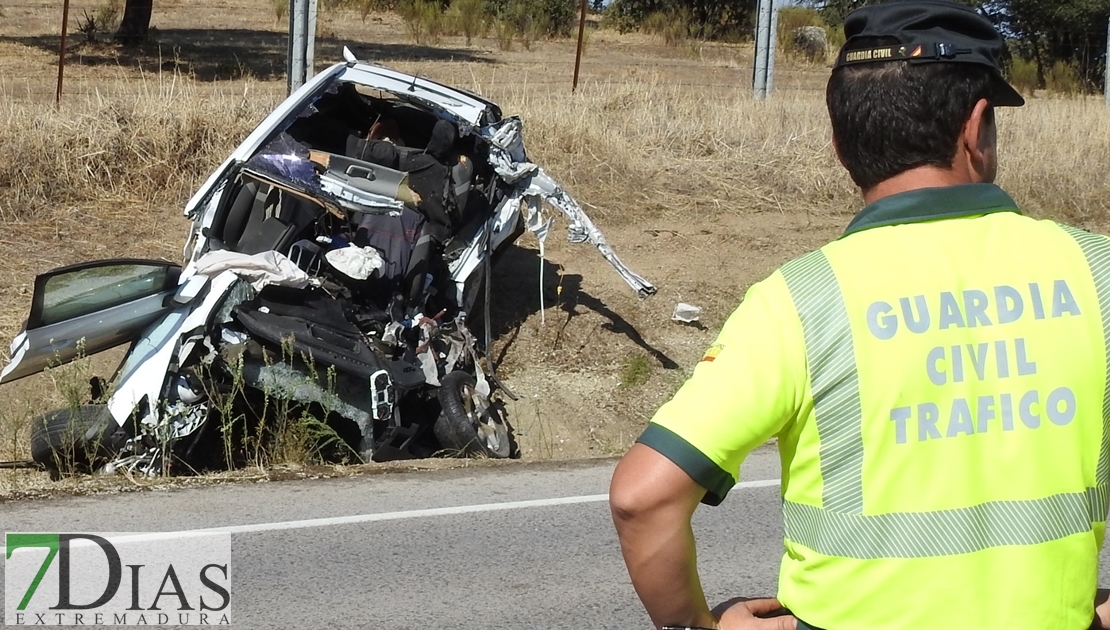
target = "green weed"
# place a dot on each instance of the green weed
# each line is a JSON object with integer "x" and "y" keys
{"x": 635, "y": 372}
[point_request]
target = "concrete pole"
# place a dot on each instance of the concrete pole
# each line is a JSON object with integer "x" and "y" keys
{"x": 295, "y": 69}
{"x": 1106, "y": 62}
{"x": 773, "y": 44}
{"x": 765, "y": 41}
{"x": 310, "y": 44}
{"x": 759, "y": 68}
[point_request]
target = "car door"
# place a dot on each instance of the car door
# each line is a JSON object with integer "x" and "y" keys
{"x": 85, "y": 308}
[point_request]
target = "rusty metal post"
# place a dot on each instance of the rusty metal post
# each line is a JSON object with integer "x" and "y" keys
{"x": 62, "y": 54}
{"x": 578, "y": 55}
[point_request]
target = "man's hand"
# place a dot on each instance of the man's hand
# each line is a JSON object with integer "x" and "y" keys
{"x": 753, "y": 614}
{"x": 1102, "y": 610}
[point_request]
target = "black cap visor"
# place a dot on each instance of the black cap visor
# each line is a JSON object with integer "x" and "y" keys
{"x": 1004, "y": 94}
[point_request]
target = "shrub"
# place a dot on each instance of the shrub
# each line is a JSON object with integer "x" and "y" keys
{"x": 615, "y": 17}
{"x": 1023, "y": 75}
{"x": 794, "y": 18}
{"x": 537, "y": 18}
{"x": 802, "y": 33}
{"x": 835, "y": 36}
{"x": 506, "y": 31}
{"x": 672, "y": 26}
{"x": 724, "y": 21}
{"x": 363, "y": 7}
{"x": 423, "y": 19}
{"x": 468, "y": 17}
{"x": 108, "y": 15}
{"x": 366, "y": 7}
{"x": 1063, "y": 78}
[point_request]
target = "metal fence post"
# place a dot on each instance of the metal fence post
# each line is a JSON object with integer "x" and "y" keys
{"x": 578, "y": 52}
{"x": 62, "y": 54}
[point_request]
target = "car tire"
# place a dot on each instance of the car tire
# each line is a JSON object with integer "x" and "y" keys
{"x": 72, "y": 439}
{"x": 468, "y": 424}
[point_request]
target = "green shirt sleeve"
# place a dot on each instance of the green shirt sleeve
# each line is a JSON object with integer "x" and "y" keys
{"x": 749, "y": 385}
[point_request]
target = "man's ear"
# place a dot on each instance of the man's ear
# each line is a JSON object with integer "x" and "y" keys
{"x": 979, "y": 141}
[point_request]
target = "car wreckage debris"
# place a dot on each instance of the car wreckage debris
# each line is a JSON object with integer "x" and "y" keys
{"x": 331, "y": 271}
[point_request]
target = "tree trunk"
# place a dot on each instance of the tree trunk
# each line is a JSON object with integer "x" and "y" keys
{"x": 135, "y": 23}
{"x": 1041, "y": 83}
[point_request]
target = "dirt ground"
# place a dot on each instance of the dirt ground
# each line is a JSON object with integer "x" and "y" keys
{"x": 591, "y": 366}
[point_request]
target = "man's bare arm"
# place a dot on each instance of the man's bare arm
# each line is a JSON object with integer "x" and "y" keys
{"x": 652, "y": 500}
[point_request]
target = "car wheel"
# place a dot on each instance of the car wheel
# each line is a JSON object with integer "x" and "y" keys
{"x": 468, "y": 424}
{"x": 72, "y": 439}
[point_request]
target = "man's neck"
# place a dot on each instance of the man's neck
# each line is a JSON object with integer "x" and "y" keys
{"x": 914, "y": 179}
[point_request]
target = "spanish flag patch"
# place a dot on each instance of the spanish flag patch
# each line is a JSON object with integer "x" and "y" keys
{"x": 713, "y": 351}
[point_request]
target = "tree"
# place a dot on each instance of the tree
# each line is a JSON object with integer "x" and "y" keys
{"x": 1072, "y": 32}
{"x": 1048, "y": 32}
{"x": 834, "y": 11}
{"x": 135, "y": 23}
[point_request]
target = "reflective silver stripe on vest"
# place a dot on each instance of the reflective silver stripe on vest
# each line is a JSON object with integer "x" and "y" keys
{"x": 1097, "y": 251}
{"x": 833, "y": 379}
{"x": 943, "y": 532}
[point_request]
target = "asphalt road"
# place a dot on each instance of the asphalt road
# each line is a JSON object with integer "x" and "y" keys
{"x": 469, "y": 548}
{"x": 531, "y": 566}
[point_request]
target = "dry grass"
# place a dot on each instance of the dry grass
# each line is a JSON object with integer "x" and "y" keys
{"x": 670, "y": 153}
{"x": 646, "y": 147}
{"x": 144, "y": 145}
{"x": 1053, "y": 154}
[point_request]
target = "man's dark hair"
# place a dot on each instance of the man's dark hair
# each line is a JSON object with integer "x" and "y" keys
{"x": 890, "y": 117}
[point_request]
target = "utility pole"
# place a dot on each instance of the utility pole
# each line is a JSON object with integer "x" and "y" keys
{"x": 766, "y": 40}
{"x": 1106, "y": 62}
{"x": 302, "y": 43}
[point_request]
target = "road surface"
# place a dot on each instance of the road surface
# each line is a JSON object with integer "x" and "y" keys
{"x": 516, "y": 547}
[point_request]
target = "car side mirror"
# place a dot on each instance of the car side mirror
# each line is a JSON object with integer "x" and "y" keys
{"x": 188, "y": 291}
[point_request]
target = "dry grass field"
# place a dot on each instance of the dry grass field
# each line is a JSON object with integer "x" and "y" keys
{"x": 700, "y": 188}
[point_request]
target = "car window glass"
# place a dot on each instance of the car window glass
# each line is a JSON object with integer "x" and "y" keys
{"x": 92, "y": 289}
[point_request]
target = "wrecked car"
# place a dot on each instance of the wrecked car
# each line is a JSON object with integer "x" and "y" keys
{"x": 335, "y": 267}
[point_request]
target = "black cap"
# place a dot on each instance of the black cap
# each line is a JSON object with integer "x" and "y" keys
{"x": 928, "y": 31}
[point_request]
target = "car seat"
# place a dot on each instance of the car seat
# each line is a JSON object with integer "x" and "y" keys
{"x": 263, "y": 217}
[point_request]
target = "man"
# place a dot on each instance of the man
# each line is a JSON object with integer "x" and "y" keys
{"x": 936, "y": 378}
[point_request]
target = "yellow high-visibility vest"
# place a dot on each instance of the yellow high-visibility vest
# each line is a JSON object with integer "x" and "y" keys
{"x": 937, "y": 381}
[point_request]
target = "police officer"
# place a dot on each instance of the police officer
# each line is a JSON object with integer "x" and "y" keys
{"x": 936, "y": 378}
